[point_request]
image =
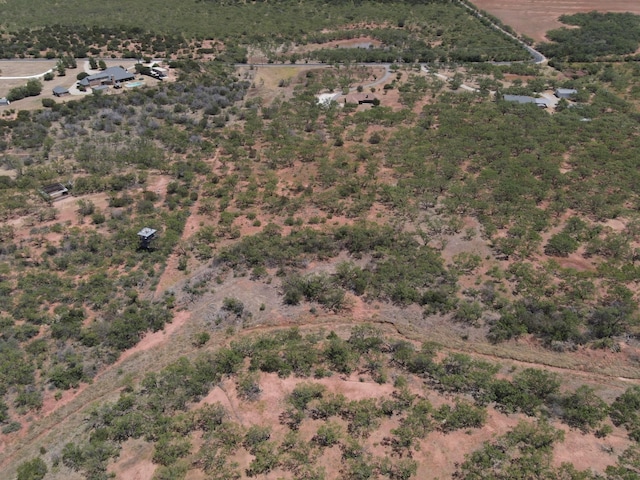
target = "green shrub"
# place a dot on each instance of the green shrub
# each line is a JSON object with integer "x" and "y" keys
{"x": 266, "y": 459}
{"x": 327, "y": 435}
{"x": 200, "y": 339}
{"x": 583, "y": 409}
{"x": 233, "y": 305}
{"x": 303, "y": 393}
{"x": 625, "y": 411}
{"x": 11, "y": 427}
{"x": 255, "y": 436}
{"x": 462, "y": 415}
{"x": 35, "y": 469}
{"x": 168, "y": 449}
{"x": 561, "y": 245}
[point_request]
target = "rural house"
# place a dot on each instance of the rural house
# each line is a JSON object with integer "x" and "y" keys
{"x": 110, "y": 76}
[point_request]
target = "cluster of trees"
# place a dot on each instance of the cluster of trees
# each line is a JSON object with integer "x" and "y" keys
{"x": 32, "y": 88}
{"x": 78, "y": 41}
{"x": 160, "y": 410}
{"x": 502, "y": 172}
{"x": 403, "y": 271}
{"x": 414, "y": 43}
{"x": 599, "y": 35}
{"x": 271, "y": 23}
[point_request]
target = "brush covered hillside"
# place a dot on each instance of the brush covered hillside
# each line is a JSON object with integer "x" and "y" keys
{"x": 368, "y": 263}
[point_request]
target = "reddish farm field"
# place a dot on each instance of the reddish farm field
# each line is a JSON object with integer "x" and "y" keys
{"x": 536, "y": 17}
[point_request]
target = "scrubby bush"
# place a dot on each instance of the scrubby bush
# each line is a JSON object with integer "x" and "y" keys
{"x": 35, "y": 469}
{"x": 625, "y": 411}
{"x": 583, "y": 409}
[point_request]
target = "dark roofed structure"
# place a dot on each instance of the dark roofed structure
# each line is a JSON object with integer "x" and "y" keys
{"x": 60, "y": 91}
{"x": 110, "y": 76}
{"x": 54, "y": 191}
{"x": 361, "y": 98}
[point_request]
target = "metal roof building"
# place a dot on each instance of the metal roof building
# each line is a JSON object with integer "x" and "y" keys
{"x": 54, "y": 191}
{"x": 523, "y": 99}
{"x": 565, "y": 92}
{"x": 60, "y": 91}
{"x": 110, "y": 76}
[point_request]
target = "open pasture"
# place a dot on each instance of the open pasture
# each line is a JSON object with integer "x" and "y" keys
{"x": 536, "y": 17}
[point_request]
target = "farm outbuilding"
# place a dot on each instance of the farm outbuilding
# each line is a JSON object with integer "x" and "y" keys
{"x": 362, "y": 98}
{"x": 565, "y": 92}
{"x": 54, "y": 191}
{"x": 523, "y": 99}
{"x": 60, "y": 91}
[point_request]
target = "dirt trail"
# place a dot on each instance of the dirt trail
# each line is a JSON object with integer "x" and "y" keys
{"x": 171, "y": 275}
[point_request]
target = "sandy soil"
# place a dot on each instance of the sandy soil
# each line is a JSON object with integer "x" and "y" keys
{"x": 536, "y": 17}
{"x": 134, "y": 462}
{"x": 439, "y": 452}
{"x": 152, "y": 340}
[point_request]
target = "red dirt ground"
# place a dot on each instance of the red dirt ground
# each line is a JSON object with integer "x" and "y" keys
{"x": 439, "y": 452}
{"x": 535, "y": 18}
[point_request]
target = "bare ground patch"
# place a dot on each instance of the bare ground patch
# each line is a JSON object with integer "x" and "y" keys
{"x": 535, "y": 18}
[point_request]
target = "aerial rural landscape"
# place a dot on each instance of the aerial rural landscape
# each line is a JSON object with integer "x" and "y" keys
{"x": 320, "y": 239}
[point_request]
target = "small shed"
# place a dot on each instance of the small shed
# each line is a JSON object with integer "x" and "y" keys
{"x": 60, "y": 91}
{"x": 362, "y": 98}
{"x": 565, "y": 92}
{"x": 99, "y": 88}
{"x": 146, "y": 235}
{"x": 4, "y": 101}
{"x": 54, "y": 191}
